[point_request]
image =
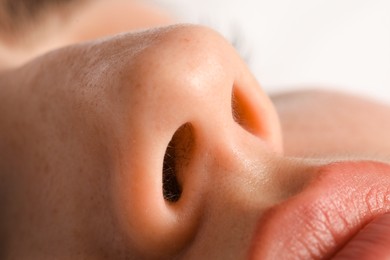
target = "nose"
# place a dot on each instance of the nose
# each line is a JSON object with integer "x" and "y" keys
{"x": 221, "y": 133}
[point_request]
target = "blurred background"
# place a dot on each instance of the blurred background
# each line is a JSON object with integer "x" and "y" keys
{"x": 290, "y": 44}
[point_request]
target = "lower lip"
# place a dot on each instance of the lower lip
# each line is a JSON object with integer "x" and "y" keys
{"x": 372, "y": 242}
{"x": 323, "y": 218}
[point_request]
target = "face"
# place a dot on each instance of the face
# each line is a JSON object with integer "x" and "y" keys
{"x": 161, "y": 144}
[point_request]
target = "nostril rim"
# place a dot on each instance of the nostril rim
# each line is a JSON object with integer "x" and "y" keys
{"x": 244, "y": 112}
{"x": 176, "y": 160}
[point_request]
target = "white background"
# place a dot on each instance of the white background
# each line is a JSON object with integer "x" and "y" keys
{"x": 339, "y": 44}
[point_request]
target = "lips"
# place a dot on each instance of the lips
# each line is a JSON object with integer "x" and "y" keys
{"x": 322, "y": 219}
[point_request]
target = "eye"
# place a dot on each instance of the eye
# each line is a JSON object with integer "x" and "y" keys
{"x": 176, "y": 160}
{"x": 243, "y": 112}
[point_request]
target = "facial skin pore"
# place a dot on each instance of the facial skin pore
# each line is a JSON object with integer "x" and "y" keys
{"x": 85, "y": 128}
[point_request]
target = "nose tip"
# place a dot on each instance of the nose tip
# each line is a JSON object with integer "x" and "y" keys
{"x": 204, "y": 83}
{"x": 234, "y": 125}
{"x": 216, "y": 84}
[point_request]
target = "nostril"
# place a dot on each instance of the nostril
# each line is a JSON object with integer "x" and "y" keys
{"x": 176, "y": 160}
{"x": 244, "y": 113}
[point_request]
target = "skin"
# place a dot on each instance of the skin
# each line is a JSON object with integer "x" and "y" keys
{"x": 82, "y": 148}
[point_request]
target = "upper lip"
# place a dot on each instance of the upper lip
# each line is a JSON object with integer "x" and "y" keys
{"x": 316, "y": 223}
